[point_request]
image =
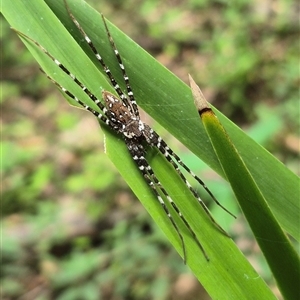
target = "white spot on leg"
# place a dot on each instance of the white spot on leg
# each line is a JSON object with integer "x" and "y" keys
{"x": 160, "y": 200}
{"x": 169, "y": 199}
{"x": 188, "y": 184}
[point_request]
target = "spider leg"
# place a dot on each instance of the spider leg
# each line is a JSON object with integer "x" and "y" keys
{"x": 155, "y": 140}
{"x": 101, "y": 61}
{"x": 137, "y": 152}
{"x": 97, "y": 114}
{"x": 65, "y": 70}
{"x": 107, "y": 117}
{"x": 132, "y": 103}
{"x": 169, "y": 153}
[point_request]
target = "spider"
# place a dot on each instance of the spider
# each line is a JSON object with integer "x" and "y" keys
{"x": 122, "y": 115}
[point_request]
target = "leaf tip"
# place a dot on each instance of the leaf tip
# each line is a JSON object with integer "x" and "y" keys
{"x": 199, "y": 99}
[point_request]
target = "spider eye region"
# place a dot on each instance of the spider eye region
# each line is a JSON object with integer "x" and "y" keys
{"x": 117, "y": 107}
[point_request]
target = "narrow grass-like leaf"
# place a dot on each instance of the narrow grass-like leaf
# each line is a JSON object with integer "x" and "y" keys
{"x": 281, "y": 256}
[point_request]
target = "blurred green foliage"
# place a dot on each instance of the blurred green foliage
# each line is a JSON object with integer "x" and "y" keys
{"x": 70, "y": 227}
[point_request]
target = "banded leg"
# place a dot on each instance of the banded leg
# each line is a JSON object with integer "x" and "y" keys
{"x": 107, "y": 71}
{"x": 98, "y": 115}
{"x": 65, "y": 70}
{"x": 132, "y": 103}
{"x": 137, "y": 153}
{"x": 169, "y": 153}
{"x": 157, "y": 183}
